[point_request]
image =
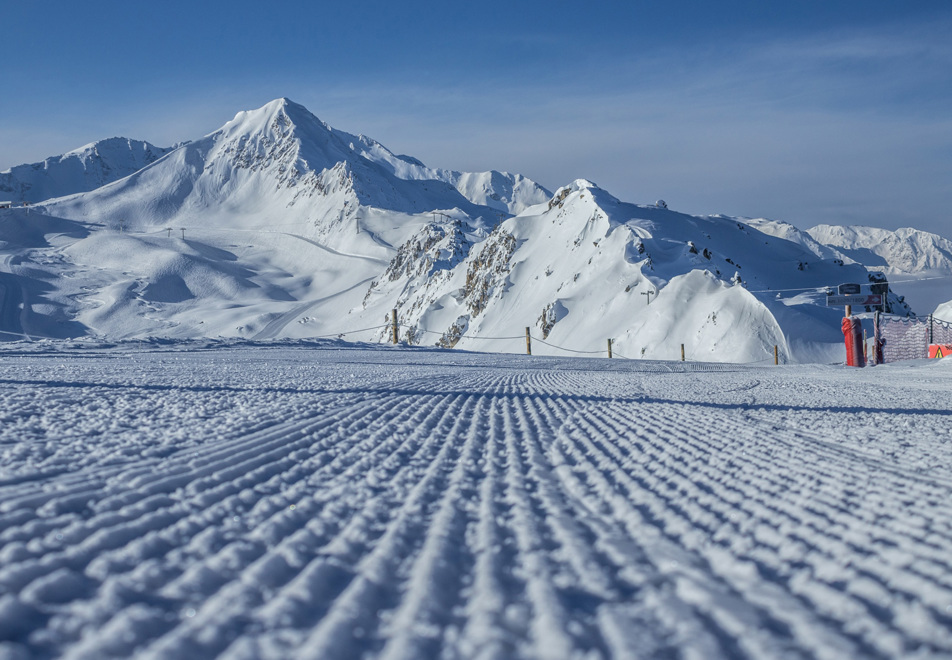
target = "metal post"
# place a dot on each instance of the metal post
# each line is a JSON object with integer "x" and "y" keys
{"x": 393, "y": 319}
{"x": 528, "y": 342}
{"x": 848, "y": 312}
{"x": 183, "y": 233}
{"x": 930, "y": 330}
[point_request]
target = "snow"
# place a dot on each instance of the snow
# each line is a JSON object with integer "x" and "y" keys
{"x": 317, "y": 499}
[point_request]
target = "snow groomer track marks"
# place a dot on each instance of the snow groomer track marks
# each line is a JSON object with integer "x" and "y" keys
{"x": 302, "y": 500}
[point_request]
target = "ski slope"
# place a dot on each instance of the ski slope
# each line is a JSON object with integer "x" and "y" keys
{"x": 323, "y": 500}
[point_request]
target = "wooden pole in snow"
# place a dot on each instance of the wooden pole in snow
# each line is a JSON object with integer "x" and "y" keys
{"x": 609, "y": 349}
{"x": 528, "y": 342}
{"x": 682, "y": 352}
{"x": 393, "y": 319}
{"x": 776, "y": 355}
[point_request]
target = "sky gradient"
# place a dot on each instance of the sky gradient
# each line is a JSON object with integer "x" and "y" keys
{"x": 817, "y": 112}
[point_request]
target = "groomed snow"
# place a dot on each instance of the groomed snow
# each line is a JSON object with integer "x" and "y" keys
{"x": 324, "y": 500}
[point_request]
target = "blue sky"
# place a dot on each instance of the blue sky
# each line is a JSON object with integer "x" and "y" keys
{"x": 809, "y": 112}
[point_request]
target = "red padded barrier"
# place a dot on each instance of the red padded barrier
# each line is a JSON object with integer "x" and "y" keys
{"x": 853, "y": 336}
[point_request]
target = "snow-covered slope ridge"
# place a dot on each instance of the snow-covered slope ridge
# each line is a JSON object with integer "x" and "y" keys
{"x": 903, "y": 251}
{"x": 80, "y": 170}
{"x": 583, "y": 267}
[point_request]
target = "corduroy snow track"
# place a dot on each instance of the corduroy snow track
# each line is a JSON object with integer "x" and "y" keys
{"x": 325, "y": 500}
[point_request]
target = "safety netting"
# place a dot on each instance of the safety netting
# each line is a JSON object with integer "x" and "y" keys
{"x": 908, "y": 338}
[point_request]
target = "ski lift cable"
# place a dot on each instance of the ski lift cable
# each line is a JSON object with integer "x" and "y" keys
{"x": 542, "y": 341}
{"x": 920, "y": 279}
{"x": 31, "y": 336}
{"x": 350, "y": 332}
{"x": 434, "y": 332}
{"x": 819, "y": 289}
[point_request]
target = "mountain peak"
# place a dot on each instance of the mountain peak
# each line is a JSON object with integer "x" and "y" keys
{"x": 92, "y": 147}
{"x": 279, "y": 116}
{"x": 281, "y": 130}
{"x": 285, "y": 106}
{"x": 261, "y": 114}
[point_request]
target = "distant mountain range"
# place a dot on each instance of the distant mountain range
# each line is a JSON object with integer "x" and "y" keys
{"x": 904, "y": 251}
{"x": 80, "y": 170}
{"x": 278, "y": 225}
{"x": 918, "y": 263}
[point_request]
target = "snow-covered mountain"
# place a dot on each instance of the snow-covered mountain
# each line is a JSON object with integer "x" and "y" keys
{"x": 583, "y": 268}
{"x": 280, "y": 164}
{"x": 80, "y": 170}
{"x": 296, "y": 210}
{"x": 278, "y": 225}
{"x": 905, "y": 251}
